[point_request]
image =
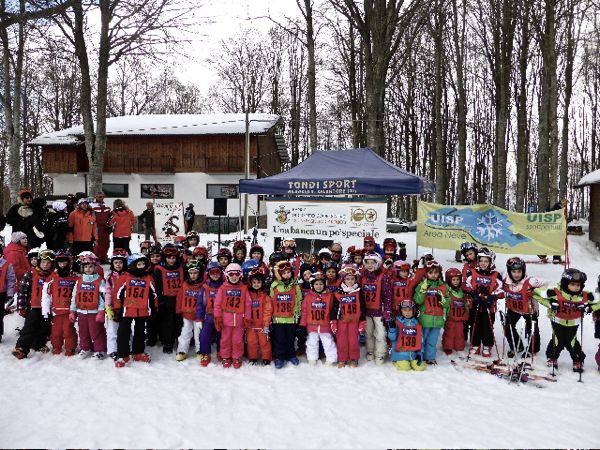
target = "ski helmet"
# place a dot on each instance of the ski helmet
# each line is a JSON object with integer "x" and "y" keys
{"x": 145, "y": 244}
{"x": 170, "y": 250}
{"x": 240, "y": 245}
{"x": 409, "y": 304}
{"x": 316, "y": 277}
{"x": 156, "y": 249}
{"x": 399, "y": 266}
{"x": 280, "y": 268}
{"x": 485, "y": 252}
{"x": 288, "y": 243}
{"x": 572, "y": 275}
{"x": 134, "y": 258}
{"x": 225, "y": 253}
{"x": 63, "y": 255}
{"x": 275, "y": 257}
{"x": 515, "y": 263}
{"x": 191, "y": 234}
{"x": 259, "y": 271}
{"x": 200, "y": 253}
{"x": 33, "y": 253}
{"x": 373, "y": 257}
{"x": 248, "y": 266}
{"x": 433, "y": 264}
{"x": 193, "y": 266}
{"x": 233, "y": 269}
{"x": 46, "y": 255}
{"x": 330, "y": 265}
{"x": 466, "y": 246}
{"x": 214, "y": 268}
{"x": 324, "y": 253}
{"x": 349, "y": 269}
{"x": 88, "y": 259}
{"x": 390, "y": 245}
{"x": 451, "y": 273}
{"x": 259, "y": 249}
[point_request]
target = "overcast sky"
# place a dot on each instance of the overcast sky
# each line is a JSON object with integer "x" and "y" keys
{"x": 223, "y": 19}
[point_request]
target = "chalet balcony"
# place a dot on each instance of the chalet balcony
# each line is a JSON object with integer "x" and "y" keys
{"x": 164, "y": 164}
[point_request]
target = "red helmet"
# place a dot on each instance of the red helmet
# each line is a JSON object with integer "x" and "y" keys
{"x": 451, "y": 273}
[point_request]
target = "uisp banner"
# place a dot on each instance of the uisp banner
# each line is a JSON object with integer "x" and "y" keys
{"x": 168, "y": 217}
{"x": 447, "y": 226}
{"x": 329, "y": 220}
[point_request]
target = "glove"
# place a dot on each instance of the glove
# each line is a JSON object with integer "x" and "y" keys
{"x": 490, "y": 299}
{"x": 387, "y": 316}
{"x": 554, "y": 306}
{"x": 596, "y": 316}
{"x": 100, "y": 316}
{"x": 361, "y": 326}
{"x": 584, "y": 308}
{"x": 218, "y": 323}
{"x": 72, "y": 316}
{"x": 424, "y": 287}
{"x": 118, "y": 315}
{"x": 23, "y": 312}
{"x": 392, "y": 324}
{"x": 334, "y": 326}
{"x": 266, "y": 330}
{"x": 109, "y": 312}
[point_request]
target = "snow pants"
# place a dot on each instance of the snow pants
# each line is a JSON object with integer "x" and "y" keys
{"x": 564, "y": 337}
{"x": 515, "y": 342}
{"x": 191, "y": 329}
{"x": 34, "y": 333}
{"x": 301, "y": 335}
{"x": 283, "y": 335}
{"x": 63, "y": 333}
{"x": 102, "y": 244}
{"x": 124, "y": 336}
{"x": 430, "y": 338}
{"x": 232, "y": 342}
{"x": 207, "y": 334}
{"x": 483, "y": 328}
{"x": 598, "y": 357}
{"x": 112, "y": 329}
{"x": 255, "y": 340}
{"x": 453, "y": 337}
{"x": 376, "y": 337}
{"x": 170, "y": 322}
{"x": 92, "y": 334}
{"x": 2, "y": 312}
{"x": 347, "y": 341}
{"x": 123, "y": 243}
{"x": 312, "y": 346}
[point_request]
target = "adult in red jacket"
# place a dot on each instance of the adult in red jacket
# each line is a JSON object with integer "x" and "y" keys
{"x": 122, "y": 221}
{"x": 16, "y": 254}
{"x": 102, "y": 213}
{"x": 82, "y": 224}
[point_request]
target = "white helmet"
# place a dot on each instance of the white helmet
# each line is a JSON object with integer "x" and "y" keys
{"x": 373, "y": 257}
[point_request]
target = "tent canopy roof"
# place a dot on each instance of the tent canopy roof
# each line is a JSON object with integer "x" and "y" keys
{"x": 341, "y": 172}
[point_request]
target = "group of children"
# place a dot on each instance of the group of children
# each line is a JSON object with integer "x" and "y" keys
{"x": 291, "y": 305}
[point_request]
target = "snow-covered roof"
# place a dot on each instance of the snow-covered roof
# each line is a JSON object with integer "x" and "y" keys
{"x": 166, "y": 125}
{"x": 590, "y": 178}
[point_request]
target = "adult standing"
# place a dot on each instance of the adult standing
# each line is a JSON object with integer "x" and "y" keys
{"x": 28, "y": 216}
{"x": 103, "y": 214}
{"x": 82, "y": 224}
{"x": 189, "y": 217}
{"x": 122, "y": 220}
{"x": 147, "y": 221}
{"x": 56, "y": 226}
{"x": 15, "y": 254}
{"x": 336, "y": 253}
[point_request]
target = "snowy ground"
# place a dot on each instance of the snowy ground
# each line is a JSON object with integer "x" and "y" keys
{"x": 51, "y": 401}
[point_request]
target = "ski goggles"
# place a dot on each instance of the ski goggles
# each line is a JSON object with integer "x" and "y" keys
{"x": 233, "y": 273}
{"x": 289, "y": 243}
{"x": 47, "y": 255}
{"x": 170, "y": 251}
{"x": 407, "y": 304}
{"x": 432, "y": 264}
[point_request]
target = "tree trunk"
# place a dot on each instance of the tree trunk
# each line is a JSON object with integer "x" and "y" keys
{"x": 461, "y": 101}
{"x": 311, "y": 74}
{"x": 521, "y": 106}
{"x": 568, "y": 91}
{"x": 440, "y": 150}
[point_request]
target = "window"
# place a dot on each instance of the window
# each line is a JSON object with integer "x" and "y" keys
{"x": 221, "y": 191}
{"x": 115, "y": 190}
{"x": 160, "y": 191}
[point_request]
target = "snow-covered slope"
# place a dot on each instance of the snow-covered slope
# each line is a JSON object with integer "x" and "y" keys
{"x": 50, "y": 401}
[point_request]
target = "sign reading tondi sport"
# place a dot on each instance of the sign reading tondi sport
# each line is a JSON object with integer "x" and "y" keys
{"x": 446, "y": 226}
{"x": 322, "y": 219}
{"x": 322, "y": 187}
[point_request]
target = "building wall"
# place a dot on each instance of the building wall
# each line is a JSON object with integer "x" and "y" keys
{"x": 188, "y": 188}
{"x": 595, "y": 213}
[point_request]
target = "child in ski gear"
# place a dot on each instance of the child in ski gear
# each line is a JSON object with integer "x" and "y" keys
{"x": 114, "y": 280}
{"x": 468, "y": 250}
{"x": 287, "y": 307}
{"x": 136, "y": 299}
{"x": 36, "y": 328}
{"x": 332, "y": 282}
{"x": 205, "y": 311}
{"x": 87, "y": 307}
{"x": 566, "y": 304}
{"x": 230, "y": 312}
{"x": 596, "y": 317}
{"x": 288, "y": 247}
{"x": 431, "y": 295}
{"x": 187, "y": 301}
{"x": 349, "y": 317}
{"x": 518, "y": 292}
{"x": 16, "y": 255}
{"x": 239, "y": 252}
{"x": 420, "y": 267}
{"x": 402, "y": 284}
{"x": 155, "y": 255}
{"x": 56, "y": 304}
{"x": 145, "y": 247}
{"x": 224, "y": 257}
{"x": 259, "y": 320}
{"x": 32, "y": 257}
{"x": 376, "y": 289}
{"x": 323, "y": 259}
{"x": 405, "y": 334}
{"x": 453, "y": 338}
{"x": 191, "y": 239}
{"x": 7, "y": 286}
{"x": 257, "y": 253}
{"x": 168, "y": 278}
{"x": 317, "y": 317}
{"x": 484, "y": 284}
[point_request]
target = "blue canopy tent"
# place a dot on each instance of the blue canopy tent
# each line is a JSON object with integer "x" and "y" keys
{"x": 341, "y": 172}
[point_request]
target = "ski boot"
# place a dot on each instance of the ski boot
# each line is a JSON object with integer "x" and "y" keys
{"x": 237, "y": 363}
{"x": 370, "y": 357}
{"x": 341, "y": 364}
{"x": 142, "y": 357}
{"x": 199, "y": 356}
{"x": 43, "y": 349}
{"x": 556, "y": 260}
{"x": 84, "y": 354}
{"x": 100, "y": 355}
{"x": 431, "y": 362}
{"x": 312, "y": 362}
{"x": 121, "y": 362}
{"x": 475, "y": 351}
{"x": 295, "y": 361}
{"x": 19, "y": 353}
{"x": 253, "y": 362}
{"x": 486, "y": 352}
{"x": 448, "y": 352}
{"x": 204, "y": 360}
{"x": 114, "y": 356}
{"x": 226, "y": 363}
{"x": 71, "y": 352}
{"x": 279, "y": 363}
{"x": 353, "y": 363}
{"x": 578, "y": 367}
{"x": 552, "y": 363}
{"x": 180, "y": 356}
{"x": 168, "y": 350}
{"x": 379, "y": 361}
{"x": 266, "y": 362}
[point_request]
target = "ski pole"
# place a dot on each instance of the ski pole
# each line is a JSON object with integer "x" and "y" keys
{"x": 521, "y": 368}
{"x": 553, "y": 349}
{"x": 581, "y": 345}
{"x": 473, "y": 332}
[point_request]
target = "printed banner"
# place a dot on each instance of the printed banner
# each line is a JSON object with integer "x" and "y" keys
{"x": 338, "y": 221}
{"x": 168, "y": 218}
{"x": 443, "y": 226}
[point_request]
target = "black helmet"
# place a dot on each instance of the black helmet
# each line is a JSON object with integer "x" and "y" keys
{"x": 515, "y": 263}
{"x": 485, "y": 252}
{"x": 275, "y": 257}
{"x": 155, "y": 249}
{"x": 466, "y": 246}
{"x": 571, "y": 275}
